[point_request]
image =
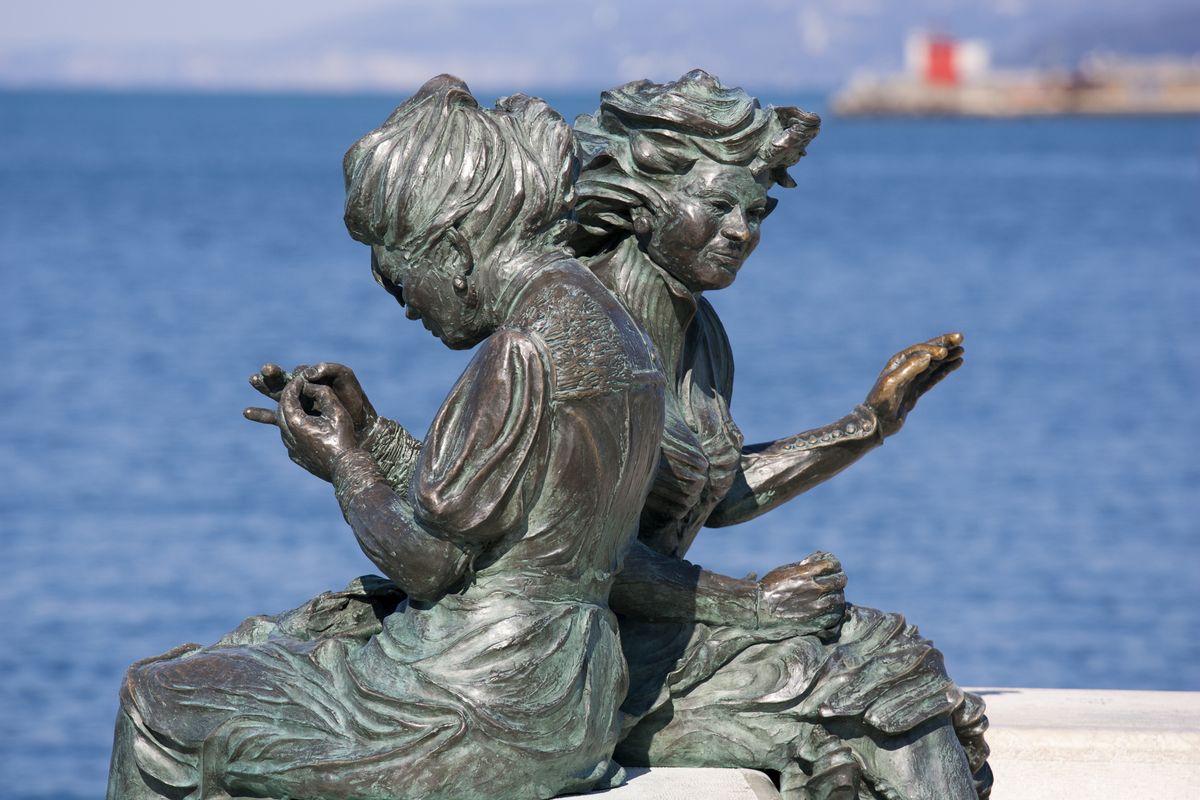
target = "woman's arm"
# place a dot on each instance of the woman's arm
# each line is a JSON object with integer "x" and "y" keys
{"x": 770, "y": 474}
{"x": 805, "y": 596}
{"x": 417, "y": 559}
{"x": 469, "y": 486}
{"x": 423, "y": 564}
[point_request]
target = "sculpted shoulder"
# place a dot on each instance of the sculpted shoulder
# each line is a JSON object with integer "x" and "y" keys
{"x": 593, "y": 343}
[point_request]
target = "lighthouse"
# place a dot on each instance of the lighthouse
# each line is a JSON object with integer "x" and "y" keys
{"x": 938, "y": 60}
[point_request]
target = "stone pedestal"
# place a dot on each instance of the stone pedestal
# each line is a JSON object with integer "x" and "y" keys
{"x": 1047, "y": 744}
{"x": 1058, "y": 744}
{"x": 677, "y": 783}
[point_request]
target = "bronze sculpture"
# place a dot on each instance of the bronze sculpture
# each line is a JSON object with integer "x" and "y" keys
{"x": 499, "y": 676}
{"x": 673, "y": 191}
{"x": 501, "y": 532}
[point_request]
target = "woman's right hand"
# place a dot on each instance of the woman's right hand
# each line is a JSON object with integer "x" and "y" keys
{"x": 908, "y": 375}
{"x": 806, "y": 594}
{"x": 316, "y": 428}
{"x": 272, "y": 380}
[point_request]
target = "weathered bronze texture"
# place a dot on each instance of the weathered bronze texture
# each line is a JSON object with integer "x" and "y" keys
{"x": 671, "y": 198}
{"x": 501, "y": 674}
{"x": 489, "y": 663}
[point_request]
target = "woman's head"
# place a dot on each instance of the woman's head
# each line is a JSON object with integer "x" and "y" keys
{"x": 447, "y": 193}
{"x": 685, "y": 166}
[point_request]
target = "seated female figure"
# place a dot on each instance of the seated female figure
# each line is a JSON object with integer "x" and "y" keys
{"x": 672, "y": 195}
{"x": 501, "y": 675}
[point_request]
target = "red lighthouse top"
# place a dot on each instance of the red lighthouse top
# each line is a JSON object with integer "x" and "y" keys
{"x": 939, "y": 61}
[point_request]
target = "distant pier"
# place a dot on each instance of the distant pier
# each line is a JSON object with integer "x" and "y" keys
{"x": 946, "y": 77}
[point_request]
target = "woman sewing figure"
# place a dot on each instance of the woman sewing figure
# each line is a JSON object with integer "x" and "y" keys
{"x": 671, "y": 197}
{"x": 501, "y": 675}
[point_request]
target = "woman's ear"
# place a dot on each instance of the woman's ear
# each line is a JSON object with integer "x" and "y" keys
{"x": 463, "y": 249}
{"x": 641, "y": 220}
{"x": 464, "y": 284}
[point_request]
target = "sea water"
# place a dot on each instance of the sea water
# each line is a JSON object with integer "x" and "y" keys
{"x": 1037, "y": 516}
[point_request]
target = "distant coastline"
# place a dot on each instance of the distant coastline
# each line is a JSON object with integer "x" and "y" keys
{"x": 947, "y": 77}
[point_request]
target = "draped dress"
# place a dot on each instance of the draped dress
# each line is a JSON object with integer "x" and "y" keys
{"x": 725, "y": 695}
{"x": 507, "y": 689}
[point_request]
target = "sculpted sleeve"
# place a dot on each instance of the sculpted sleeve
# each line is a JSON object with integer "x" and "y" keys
{"x": 485, "y": 453}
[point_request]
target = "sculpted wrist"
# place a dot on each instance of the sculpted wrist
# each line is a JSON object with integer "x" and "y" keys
{"x": 394, "y": 449}
{"x": 861, "y": 424}
{"x": 728, "y": 601}
{"x": 354, "y": 471}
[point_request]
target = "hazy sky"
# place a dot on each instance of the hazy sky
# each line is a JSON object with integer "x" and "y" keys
{"x": 354, "y": 44}
{"x": 140, "y": 21}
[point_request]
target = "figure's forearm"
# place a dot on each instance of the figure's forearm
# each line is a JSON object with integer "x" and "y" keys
{"x": 770, "y": 474}
{"x": 657, "y": 588}
{"x": 421, "y": 564}
{"x": 395, "y": 450}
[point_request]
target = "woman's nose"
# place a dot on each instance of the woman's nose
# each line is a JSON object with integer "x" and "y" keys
{"x": 735, "y": 226}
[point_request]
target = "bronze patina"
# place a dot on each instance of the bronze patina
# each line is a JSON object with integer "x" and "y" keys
{"x": 538, "y": 628}
{"x": 672, "y": 194}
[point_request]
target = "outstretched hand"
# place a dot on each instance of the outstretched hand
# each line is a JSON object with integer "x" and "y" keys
{"x": 807, "y": 593}
{"x": 911, "y": 373}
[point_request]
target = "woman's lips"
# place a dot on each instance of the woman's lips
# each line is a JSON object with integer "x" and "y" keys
{"x": 729, "y": 261}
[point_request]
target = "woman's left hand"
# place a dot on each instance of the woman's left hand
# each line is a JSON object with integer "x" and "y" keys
{"x": 909, "y": 374}
{"x": 807, "y": 594}
{"x": 316, "y": 427}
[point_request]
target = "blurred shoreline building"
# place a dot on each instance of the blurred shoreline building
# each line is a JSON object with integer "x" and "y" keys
{"x": 949, "y": 77}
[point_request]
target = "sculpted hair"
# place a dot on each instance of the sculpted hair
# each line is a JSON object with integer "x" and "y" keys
{"x": 502, "y": 178}
{"x": 645, "y": 133}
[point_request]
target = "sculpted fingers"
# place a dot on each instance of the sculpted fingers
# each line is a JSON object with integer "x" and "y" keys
{"x": 816, "y": 563}
{"x": 822, "y": 557}
{"x": 263, "y": 415}
{"x": 832, "y": 583}
{"x": 274, "y": 375}
{"x": 270, "y": 380}
{"x": 939, "y": 347}
{"x": 909, "y": 370}
{"x": 905, "y": 356}
{"x": 827, "y": 574}
{"x": 935, "y": 352}
{"x": 325, "y": 401}
{"x": 260, "y": 385}
{"x": 290, "y": 408}
{"x": 938, "y": 374}
{"x": 947, "y": 340}
{"x": 325, "y": 372}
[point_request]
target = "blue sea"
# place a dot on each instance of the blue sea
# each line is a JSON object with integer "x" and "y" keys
{"x": 1038, "y": 516}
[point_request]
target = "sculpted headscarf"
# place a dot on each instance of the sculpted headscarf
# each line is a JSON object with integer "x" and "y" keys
{"x": 645, "y": 132}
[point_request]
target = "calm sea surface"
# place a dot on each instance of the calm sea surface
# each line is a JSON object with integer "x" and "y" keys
{"x": 1038, "y": 516}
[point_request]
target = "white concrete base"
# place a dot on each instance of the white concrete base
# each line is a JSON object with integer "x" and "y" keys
{"x": 1060, "y": 744}
{"x": 678, "y": 783}
{"x": 1047, "y": 744}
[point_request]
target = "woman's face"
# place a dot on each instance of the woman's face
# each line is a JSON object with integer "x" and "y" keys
{"x": 425, "y": 287}
{"x": 708, "y": 225}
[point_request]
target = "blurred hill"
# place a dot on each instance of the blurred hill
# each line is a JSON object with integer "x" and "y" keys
{"x": 557, "y": 45}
